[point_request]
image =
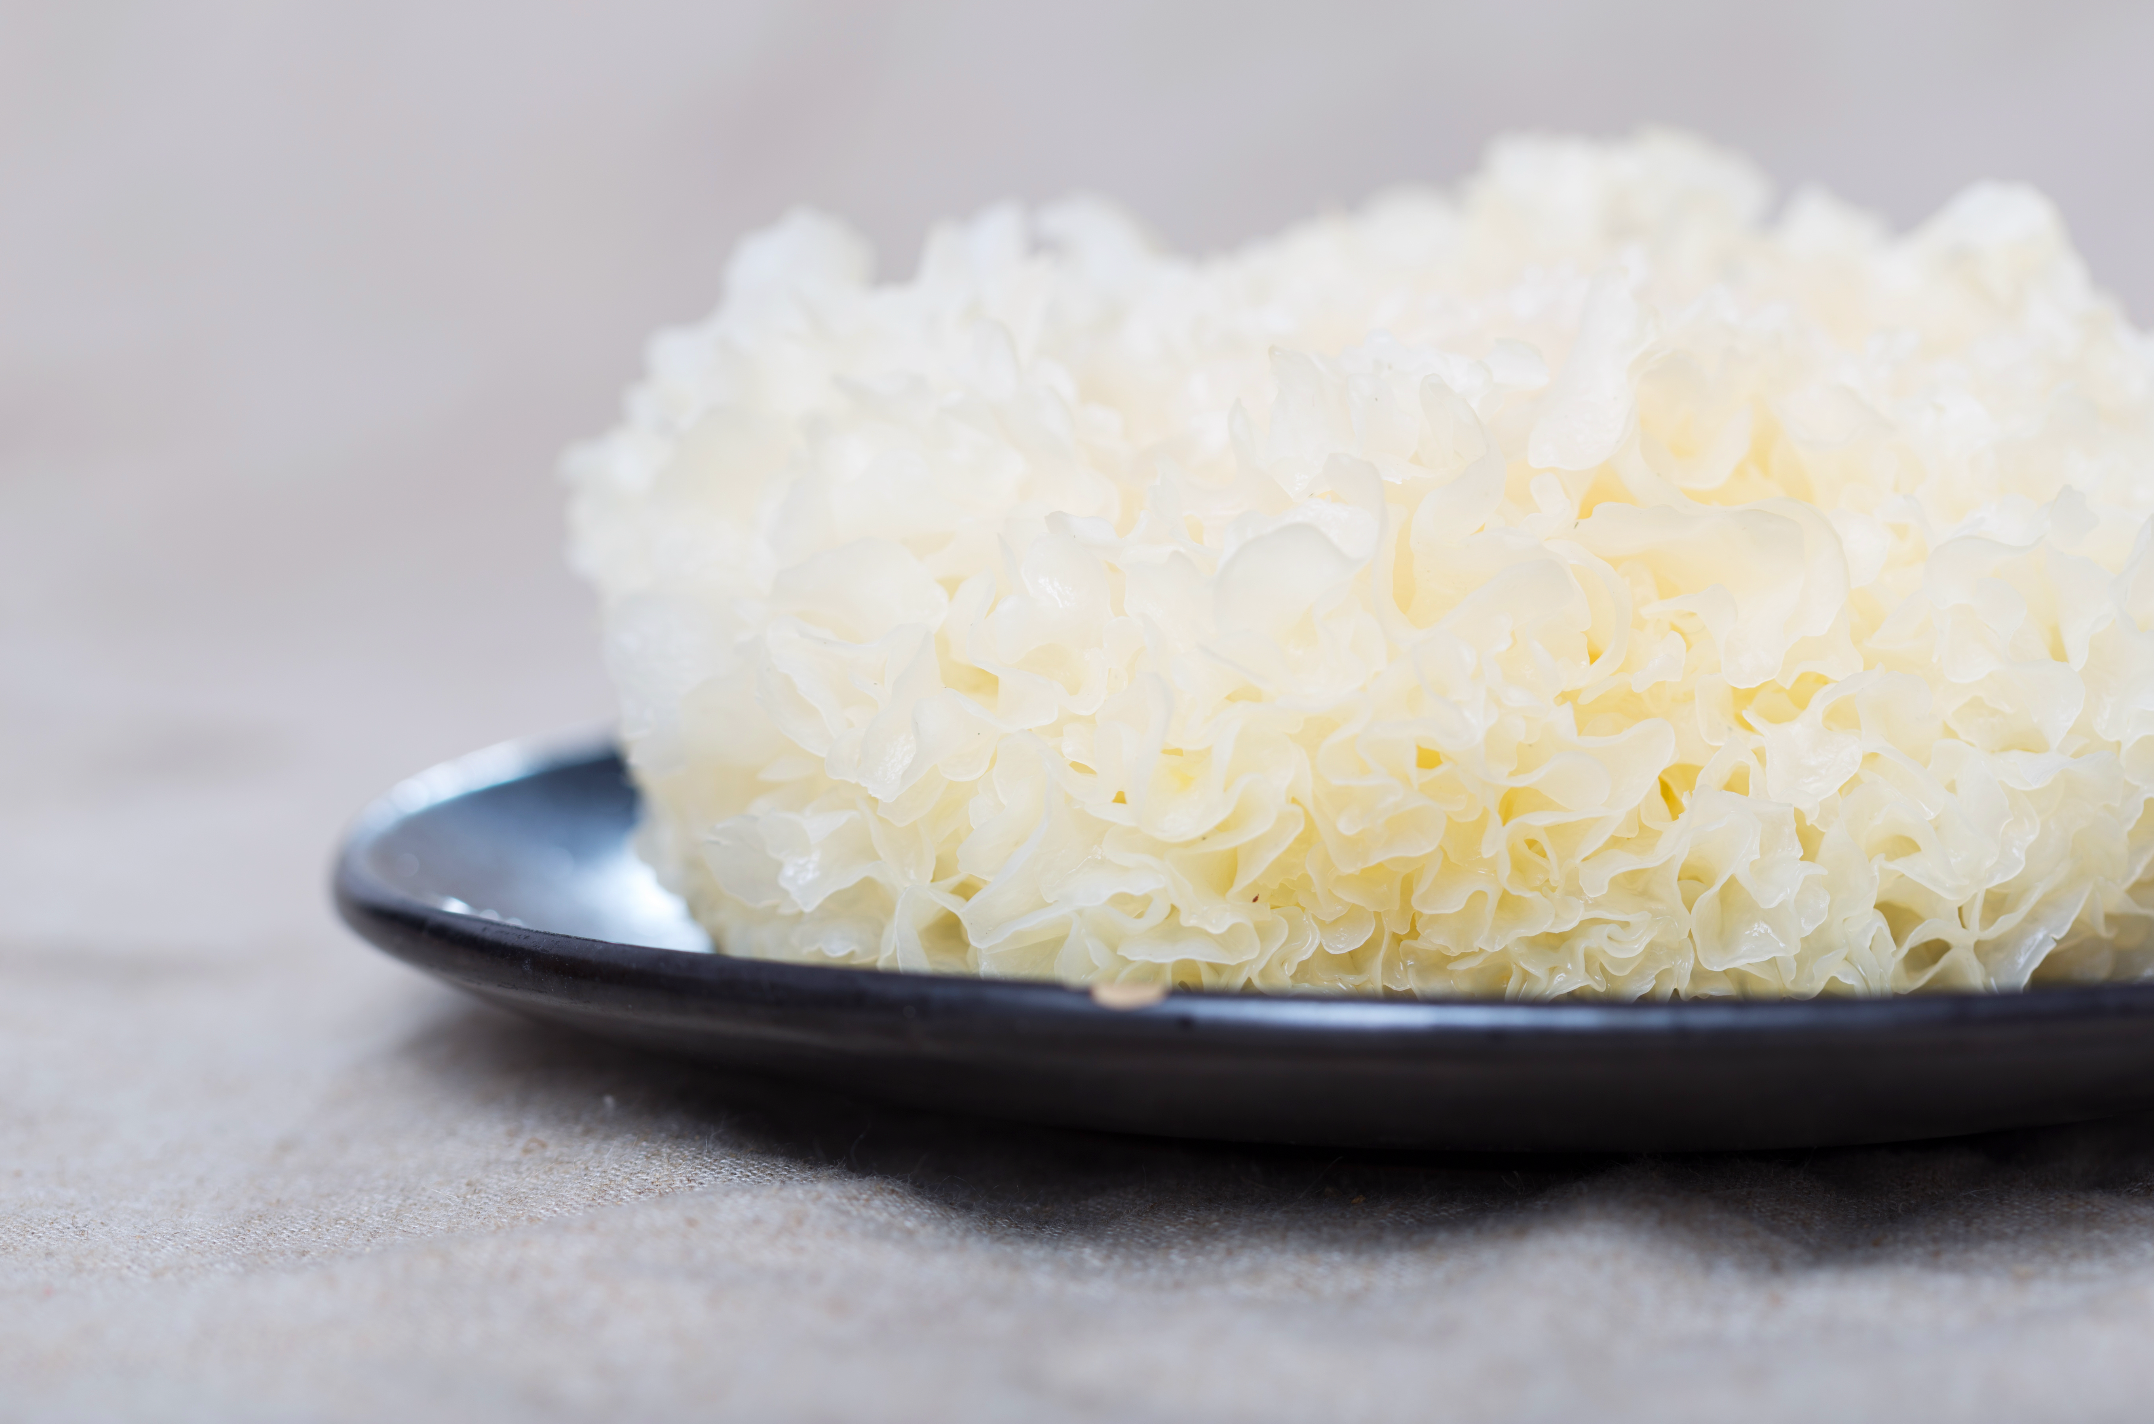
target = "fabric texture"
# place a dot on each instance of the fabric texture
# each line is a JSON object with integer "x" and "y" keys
{"x": 293, "y": 326}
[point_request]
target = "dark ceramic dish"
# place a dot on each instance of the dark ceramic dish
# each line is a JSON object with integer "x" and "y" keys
{"x": 509, "y": 874}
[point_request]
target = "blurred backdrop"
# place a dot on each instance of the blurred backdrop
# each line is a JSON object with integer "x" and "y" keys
{"x": 299, "y": 302}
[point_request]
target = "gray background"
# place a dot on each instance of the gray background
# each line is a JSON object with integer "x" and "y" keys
{"x": 298, "y": 303}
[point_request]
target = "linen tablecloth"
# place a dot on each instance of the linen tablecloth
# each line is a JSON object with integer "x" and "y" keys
{"x": 294, "y": 313}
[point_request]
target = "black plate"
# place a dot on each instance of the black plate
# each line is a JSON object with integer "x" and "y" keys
{"x": 509, "y": 874}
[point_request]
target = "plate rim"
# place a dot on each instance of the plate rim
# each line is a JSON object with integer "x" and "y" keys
{"x": 433, "y": 938}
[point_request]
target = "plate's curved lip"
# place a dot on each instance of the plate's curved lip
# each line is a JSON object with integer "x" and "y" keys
{"x": 363, "y": 895}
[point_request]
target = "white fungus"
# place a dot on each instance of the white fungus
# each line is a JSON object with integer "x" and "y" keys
{"x": 1573, "y": 583}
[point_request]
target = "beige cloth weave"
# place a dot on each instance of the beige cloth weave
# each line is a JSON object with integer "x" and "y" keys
{"x": 291, "y": 324}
